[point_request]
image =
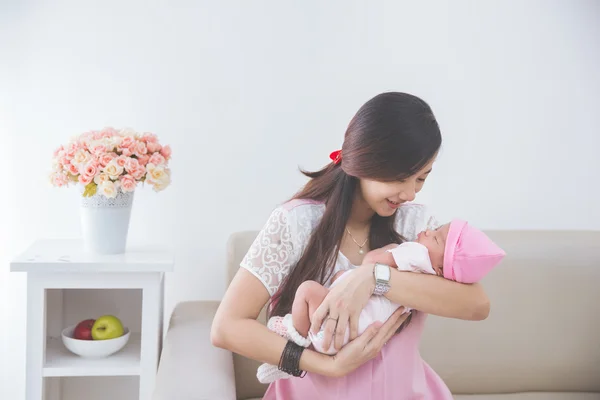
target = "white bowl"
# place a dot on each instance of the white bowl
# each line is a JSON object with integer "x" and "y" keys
{"x": 93, "y": 348}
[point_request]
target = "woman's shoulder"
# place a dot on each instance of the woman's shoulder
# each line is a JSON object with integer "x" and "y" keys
{"x": 302, "y": 205}
{"x": 302, "y": 209}
{"x": 295, "y": 219}
{"x": 279, "y": 244}
{"x": 412, "y": 218}
{"x": 302, "y": 215}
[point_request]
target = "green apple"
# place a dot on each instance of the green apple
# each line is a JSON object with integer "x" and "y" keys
{"x": 107, "y": 327}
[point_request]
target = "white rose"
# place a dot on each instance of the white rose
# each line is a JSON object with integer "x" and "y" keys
{"x": 56, "y": 167}
{"x": 114, "y": 141}
{"x": 113, "y": 169}
{"x": 81, "y": 157}
{"x": 128, "y": 132}
{"x": 104, "y": 142}
{"x": 163, "y": 181}
{"x": 108, "y": 189}
{"x": 101, "y": 178}
{"x": 155, "y": 172}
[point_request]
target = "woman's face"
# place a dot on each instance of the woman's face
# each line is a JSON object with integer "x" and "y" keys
{"x": 385, "y": 197}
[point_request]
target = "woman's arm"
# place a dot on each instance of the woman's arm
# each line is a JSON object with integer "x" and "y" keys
{"x": 235, "y": 327}
{"x": 438, "y": 296}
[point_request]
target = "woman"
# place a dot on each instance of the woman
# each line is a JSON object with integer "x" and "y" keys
{"x": 361, "y": 201}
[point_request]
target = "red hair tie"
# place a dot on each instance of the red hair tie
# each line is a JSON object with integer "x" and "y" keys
{"x": 336, "y": 156}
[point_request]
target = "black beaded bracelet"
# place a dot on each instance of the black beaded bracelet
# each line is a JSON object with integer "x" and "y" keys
{"x": 290, "y": 359}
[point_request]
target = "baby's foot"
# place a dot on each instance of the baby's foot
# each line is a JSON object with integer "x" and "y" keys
{"x": 268, "y": 373}
{"x": 275, "y": 324}
{"x": 284, "y": 327}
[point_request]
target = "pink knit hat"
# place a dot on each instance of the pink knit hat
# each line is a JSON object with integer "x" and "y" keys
{"x": 469, "y": 254}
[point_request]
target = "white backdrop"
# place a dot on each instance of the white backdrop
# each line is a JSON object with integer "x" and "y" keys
{"x": 247, "y": 92}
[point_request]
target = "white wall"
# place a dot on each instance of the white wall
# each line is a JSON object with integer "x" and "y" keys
{"x": 245, "y": 92}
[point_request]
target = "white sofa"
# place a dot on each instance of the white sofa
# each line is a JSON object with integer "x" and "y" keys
{"x": 540, "y": 342}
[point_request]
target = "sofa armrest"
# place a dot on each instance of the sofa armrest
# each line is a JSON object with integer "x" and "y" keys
{"x": 191, "y": 368}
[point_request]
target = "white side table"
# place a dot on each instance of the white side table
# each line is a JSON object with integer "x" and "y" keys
{"x": 56, "y": 266}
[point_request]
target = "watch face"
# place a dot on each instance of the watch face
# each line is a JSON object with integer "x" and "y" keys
{"x": 382, "y": 272}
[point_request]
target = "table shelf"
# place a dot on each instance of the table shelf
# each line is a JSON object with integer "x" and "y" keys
{"x": 61, "y": 362}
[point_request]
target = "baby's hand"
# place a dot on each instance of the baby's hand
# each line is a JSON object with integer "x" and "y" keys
{"x": 381, "y": 255}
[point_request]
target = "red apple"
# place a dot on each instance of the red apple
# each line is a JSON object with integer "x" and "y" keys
{"x": 83, "y": 330}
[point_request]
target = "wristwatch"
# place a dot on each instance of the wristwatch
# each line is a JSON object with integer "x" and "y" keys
{"x": 382, "y": 274}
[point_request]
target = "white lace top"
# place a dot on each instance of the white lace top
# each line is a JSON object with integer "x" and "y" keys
{"x": 280, "y": 243}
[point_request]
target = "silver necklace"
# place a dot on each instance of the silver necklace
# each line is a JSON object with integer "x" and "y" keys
{"x": 360, "y": 246}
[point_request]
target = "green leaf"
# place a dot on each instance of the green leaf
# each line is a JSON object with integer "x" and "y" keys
{"x": 90, "y": 189}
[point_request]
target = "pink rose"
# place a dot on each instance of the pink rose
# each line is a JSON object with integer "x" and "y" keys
{"x": 149, "y": 137}
{"x": 138, "y": 173}
{"x": 131, "y": 164}
{"x": 59, "y": 179}
{"x": 134, "y": 168}
{"x": 127, "y": 142}
{"x": 98, "y": 149}
{"x": 106, "y": 158}
{"x": 58, "y": 151}
{"x": 85, "y": 179}
{"x": 91, "y": 169}
{"x": 121, "y": 160}
{"x": 71, "y": 149}
{"x": 108, "y": 132}
{"x": 64, "y": 160}
{"x": 153, "y": 147}
{"x": 84, "y": 145}
{"x": 166, "y": 152}
{"x": 157, "y": 159}
{"x": 72, "y": 169}
{"x": 144, "y": 159}
{"x": 128, "y": 183}
{"x": 140, "y": 149}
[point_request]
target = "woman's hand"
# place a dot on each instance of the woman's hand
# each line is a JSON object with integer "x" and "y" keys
{"x": 342, "y": 306}
{"x": 366, "y": 346}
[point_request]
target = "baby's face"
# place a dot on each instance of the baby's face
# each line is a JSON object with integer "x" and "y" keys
{"x": 435, "y": 241}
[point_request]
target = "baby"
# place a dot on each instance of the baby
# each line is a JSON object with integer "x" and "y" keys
{"x": 456, "y": 251}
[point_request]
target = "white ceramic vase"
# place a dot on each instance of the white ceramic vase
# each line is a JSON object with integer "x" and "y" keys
{"x": 105, "y": 222}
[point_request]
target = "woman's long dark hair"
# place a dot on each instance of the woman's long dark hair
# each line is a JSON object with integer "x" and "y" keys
{"x": 391, "y": 137}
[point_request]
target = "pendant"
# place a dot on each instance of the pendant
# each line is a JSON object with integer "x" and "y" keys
{"x": 361, "y": 251}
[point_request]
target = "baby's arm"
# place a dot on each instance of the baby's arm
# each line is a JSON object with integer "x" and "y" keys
{"x": 381, "y": 255}
{"x": 413, "y": 257}
{"x": 309, "y": 297}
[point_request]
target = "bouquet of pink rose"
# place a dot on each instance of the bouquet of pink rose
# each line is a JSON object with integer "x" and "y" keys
{"x": 110, "y": 160}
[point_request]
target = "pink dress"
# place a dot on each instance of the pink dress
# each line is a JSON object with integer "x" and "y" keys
{"x": 398, "y": 372}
